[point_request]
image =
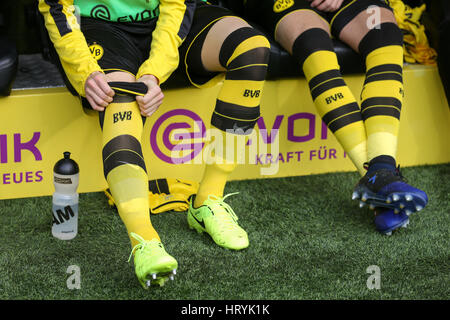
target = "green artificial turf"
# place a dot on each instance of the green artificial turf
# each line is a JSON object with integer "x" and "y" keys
{"x": 308, "y": 240}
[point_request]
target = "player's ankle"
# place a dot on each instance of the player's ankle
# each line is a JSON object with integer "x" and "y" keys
{"x": 382, "y": 162}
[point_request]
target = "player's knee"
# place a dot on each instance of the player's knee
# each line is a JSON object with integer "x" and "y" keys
{"x": 309, "y": 42}
{"x": 383, "y": 35}
{"x": 293, "y": 24}
{"x": 120, "y": 76}
{"x": 244, "y": 46}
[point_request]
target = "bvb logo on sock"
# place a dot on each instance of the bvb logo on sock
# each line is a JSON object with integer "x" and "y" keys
{"x": 281, "y": 5}
{"x": 96, "y": 51}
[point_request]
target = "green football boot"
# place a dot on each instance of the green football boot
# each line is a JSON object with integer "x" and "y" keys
{"x": 218, "y": 219}
{"x": 152, "y": 264}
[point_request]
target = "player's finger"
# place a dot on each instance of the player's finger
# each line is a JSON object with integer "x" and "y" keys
{"x": 324, "y": 6}
{"x": 315, "y": 3}
{"x": 104, "y": 86}
{"x": 100, "y": 88}
{"x": 97, "y": 99}
{"x": 93, "y": 104}
{"x": 156, "y": 100}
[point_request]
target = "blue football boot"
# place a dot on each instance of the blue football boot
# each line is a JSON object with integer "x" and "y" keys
{"x": 388, "y": 189}
{"x": 387, "y": 221}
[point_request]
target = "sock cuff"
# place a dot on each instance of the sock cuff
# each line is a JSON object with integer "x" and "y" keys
{"x": 310, "y": 41}
{"x": 382, "y": 162}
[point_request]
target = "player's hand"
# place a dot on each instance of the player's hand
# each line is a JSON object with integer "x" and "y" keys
{"x": 150, "y": 102}
{"x": 98, "y": 92}
{"x": 326, "y": 5}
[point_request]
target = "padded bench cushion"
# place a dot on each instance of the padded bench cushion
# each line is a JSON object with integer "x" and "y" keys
{"x": 8, "y": 65}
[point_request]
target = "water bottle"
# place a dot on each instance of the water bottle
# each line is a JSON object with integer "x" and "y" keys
{"x": 65, "y": 198}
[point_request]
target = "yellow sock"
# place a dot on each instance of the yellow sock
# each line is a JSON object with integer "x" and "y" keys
{"x": 124, "y": 167}
{"x": 245, "y": 55}
{"x": 219, "y": 165}
{"x": 334, "y": 101}
{"x": 381, "y": 100}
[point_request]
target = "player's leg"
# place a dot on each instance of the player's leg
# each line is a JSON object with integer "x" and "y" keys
{"x": 305, "y": 35}
{"x": 369, "y": 27}
{"x": 126, "y": 175}
{"x": 123, "y": 161}
{"x": 226, "y": 45}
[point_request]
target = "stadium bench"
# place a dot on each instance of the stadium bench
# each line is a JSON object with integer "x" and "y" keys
{"x": 53, "y": 122}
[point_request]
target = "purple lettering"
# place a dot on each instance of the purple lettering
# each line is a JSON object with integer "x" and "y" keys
{"x": 17, "y": 180}
{"x": 6, "y": 178}
{"x": 258, "y": 159}
{"x": 303, "y": 115}
{"x": 332, "y": 153}
{"x": 289, "y": 155}
{"x": 269, "y": 158}
{"x": 268, "y": 138}
{"x": 29, "y": 176}
{"x": 39, "y": 176}
{"x": 3, "y": 149}
{"x": 30, "y": 146}
{"x": 324, "y": 134}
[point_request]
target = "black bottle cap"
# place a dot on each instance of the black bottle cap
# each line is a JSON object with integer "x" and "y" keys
{"x": 66, "y": 166}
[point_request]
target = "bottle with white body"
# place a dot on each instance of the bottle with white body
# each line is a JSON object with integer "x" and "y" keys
{"x": 65, "y": 198}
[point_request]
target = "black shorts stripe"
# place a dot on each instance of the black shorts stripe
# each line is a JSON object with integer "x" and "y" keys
{"x": 349, "y": 13}
{"x": 324, "y": 76}
{"x": 187, "y": 18}
{"x": 59, "y": 17}
{"x": 344, "y": 121}
{"x": 248, "y": 72}
{"x": 380, "y": 111}
{"x": 236, "y": 111}
{"x": 334, "y": 83}
{"x": 385, "y": 68}
{"x": 341, "y": 111}
{"x": 383, "y": 77}
{"x": 381, "y": 101}
{"x": 233, "y": 40}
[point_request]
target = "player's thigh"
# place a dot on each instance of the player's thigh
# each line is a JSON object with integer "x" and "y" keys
{"x": 214, "y": 41}
{"x": 285, "y": 20}
{"x": 199, "y": 53}
{"x": 113, "y": 48}
{"x": 293, "y": 24}
{"x": 355, "y": 20}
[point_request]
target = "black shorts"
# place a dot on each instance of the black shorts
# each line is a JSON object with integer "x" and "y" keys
{"x": 190, "y": 51}
{"x": 118, "y": 46}
{"x": 267, "y": 13}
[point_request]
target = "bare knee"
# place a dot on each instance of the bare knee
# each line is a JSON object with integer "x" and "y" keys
{"x": 215, "y": 38}
{"x": 291, "y": 26}
{"x": 366, "y": 20}
{"x": 120, "y": 76}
